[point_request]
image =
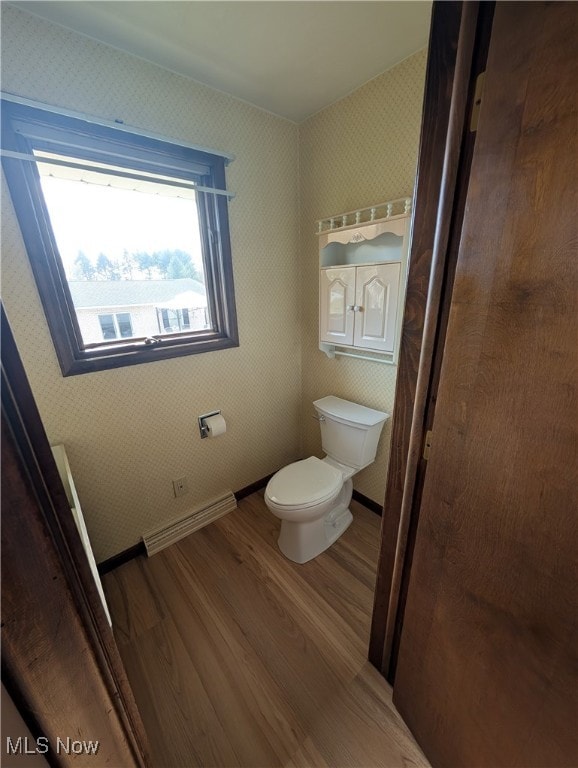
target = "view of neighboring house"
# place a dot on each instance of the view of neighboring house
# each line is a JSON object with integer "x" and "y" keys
{"x": 115, "y": 309}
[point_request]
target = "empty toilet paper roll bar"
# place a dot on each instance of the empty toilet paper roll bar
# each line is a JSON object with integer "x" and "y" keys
{"x": 212, "y": 424}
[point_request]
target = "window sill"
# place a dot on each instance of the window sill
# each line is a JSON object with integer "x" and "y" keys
{"x": 112, "y": 356}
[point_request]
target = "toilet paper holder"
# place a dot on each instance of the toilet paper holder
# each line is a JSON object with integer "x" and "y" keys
{"x": 203, "y": 428}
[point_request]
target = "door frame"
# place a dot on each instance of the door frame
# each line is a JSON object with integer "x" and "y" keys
{"x": 458, "y": 46}
{"x": 43, "y": 565}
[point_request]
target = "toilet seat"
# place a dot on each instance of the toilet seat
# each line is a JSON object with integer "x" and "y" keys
{"x": 303, "y": 484}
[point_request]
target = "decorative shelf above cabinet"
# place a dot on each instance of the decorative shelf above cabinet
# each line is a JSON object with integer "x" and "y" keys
{"x": 362, "y": 277}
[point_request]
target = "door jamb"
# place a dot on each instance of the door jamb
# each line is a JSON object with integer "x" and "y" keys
{"x": 459, "y": 41}
{"x": 44, "y": 513}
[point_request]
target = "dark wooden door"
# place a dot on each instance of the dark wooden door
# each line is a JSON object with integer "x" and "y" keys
{"x": 487, "y": 669}
{"x": 60, "y": 663}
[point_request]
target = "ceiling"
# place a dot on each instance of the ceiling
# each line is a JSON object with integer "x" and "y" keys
{"x": 290, "y": 58}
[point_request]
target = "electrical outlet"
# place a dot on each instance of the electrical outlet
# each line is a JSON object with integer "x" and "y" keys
{"x": 180, "y": 486}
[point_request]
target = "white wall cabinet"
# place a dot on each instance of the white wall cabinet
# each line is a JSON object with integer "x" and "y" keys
{"x": 362, "y": 277}
{"x": 358, "y": 306}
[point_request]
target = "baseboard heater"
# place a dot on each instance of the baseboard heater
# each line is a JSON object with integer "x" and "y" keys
{"x": 177, "y": 529}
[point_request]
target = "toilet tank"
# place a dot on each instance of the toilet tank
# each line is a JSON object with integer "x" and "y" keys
{"x": 349, "y": 431}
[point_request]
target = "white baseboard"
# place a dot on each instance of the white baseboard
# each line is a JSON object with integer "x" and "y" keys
{"x": 177, "y": 529}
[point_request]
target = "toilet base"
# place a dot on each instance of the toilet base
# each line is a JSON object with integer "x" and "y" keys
{"x": 301, "y": 542}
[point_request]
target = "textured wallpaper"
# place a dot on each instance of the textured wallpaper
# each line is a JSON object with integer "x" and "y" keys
{"x": 359, "y": 151}
{"x": 129, "y": 432}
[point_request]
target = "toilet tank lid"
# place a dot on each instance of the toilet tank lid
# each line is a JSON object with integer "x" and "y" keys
{"x": 351, "y": 413}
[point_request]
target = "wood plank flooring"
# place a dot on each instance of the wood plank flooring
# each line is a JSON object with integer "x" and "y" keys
{"x": 239, "y": 657}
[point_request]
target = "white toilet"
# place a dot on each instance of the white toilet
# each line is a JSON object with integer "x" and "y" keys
{"x": 311, "y": 497}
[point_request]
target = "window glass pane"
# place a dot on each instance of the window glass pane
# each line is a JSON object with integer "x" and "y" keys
{"x": 107, "y": 326}
{"x": 170, "y": 321}
{"x": 129, "y": 244}
{"x": 124, "y": 324}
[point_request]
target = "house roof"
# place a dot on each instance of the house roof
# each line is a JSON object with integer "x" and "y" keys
{"x": 122, "y": 293}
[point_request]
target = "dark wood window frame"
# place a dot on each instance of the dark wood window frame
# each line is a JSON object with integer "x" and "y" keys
{"x": 25, "y": 129}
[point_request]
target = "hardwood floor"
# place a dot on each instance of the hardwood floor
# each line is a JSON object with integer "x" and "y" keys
{"x": 239, "y": 657}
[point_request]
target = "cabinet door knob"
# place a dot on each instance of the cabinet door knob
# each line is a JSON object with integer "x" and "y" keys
{"x": 358, "y": 308}
{"x": 350, "y": 308}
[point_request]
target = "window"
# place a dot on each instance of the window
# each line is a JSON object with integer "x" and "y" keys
{"x": 124, "y": 325}
{"x": 115, "y": 326}
{"x": 128, "y": 243}
{"x": 167, "y": 317}
{"x": 170, "y": 320}
{"x": 107, "y": 326}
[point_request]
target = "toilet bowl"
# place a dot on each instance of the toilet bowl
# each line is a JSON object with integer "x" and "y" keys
{"x": 311, "y": 497}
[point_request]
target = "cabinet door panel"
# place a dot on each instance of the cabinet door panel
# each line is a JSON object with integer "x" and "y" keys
{"x": 376, "y": 296}
{"x": 337, "y": 293}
